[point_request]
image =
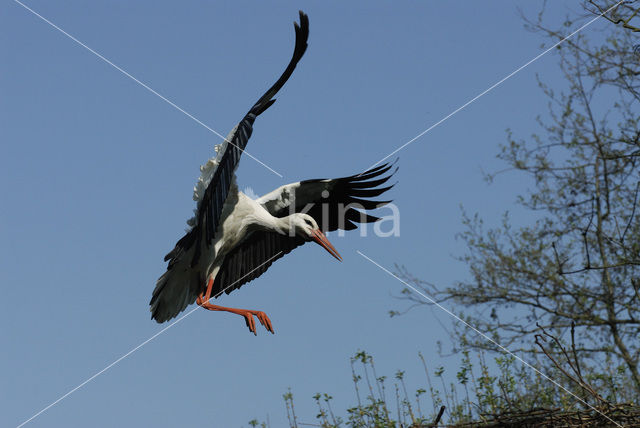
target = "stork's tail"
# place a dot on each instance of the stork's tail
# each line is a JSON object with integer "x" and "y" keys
{"x": 178, "y": 287}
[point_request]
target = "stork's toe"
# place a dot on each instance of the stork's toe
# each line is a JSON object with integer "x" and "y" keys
{"x": 264, "y": 320}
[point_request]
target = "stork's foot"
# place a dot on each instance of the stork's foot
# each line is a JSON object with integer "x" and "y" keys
{"x": 248, "y": 315}
{"x": 251, "y": 323}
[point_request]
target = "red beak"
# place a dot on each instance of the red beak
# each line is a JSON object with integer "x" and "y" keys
{"x": 321, "y": 239}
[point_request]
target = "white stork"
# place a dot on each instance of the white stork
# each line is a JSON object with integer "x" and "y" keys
{"x": 233, "y": 239}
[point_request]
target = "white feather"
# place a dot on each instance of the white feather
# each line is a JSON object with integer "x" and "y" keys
{"x": 206, "y": 174}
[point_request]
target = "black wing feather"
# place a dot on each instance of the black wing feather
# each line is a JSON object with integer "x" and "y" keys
{"x": 251, "y": 259}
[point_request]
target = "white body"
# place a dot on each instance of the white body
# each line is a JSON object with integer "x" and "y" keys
{"x": 241, "y": 216}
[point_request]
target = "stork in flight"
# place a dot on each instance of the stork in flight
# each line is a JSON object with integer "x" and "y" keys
{"x": 233, "y": 239}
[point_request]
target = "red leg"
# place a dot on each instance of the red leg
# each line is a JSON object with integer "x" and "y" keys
{"x": 248, "y": 314}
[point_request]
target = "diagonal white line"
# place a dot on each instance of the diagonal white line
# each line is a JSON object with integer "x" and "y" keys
{"x": 138, "y": 347}
{"x": 485, "y": 336}
{"x": 498, "y": 83}
{"x": 171, "y": 103}
{"x": 107, "y": 367}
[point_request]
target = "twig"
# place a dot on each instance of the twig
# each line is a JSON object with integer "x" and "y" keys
{"x": 560, "y": 264}
{"x": 614, "y": 20}
{"x": 633, "y": 212}
{"x": 506, "y": 396}
{"x": 580, "y": 381}
{"x": 437, "y": 420}
{"x": 584, "y": 236}
{"x": 573, "y": 348}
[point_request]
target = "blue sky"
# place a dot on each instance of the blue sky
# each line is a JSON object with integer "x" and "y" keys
{"x": 96, "y": 177}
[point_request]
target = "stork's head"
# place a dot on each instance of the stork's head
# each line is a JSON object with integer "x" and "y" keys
{"x": 307, "y": 228}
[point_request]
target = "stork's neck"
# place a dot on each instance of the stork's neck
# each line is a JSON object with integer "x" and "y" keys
{"x": 283, "y": 225}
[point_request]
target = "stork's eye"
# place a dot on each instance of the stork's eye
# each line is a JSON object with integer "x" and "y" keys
{"x": 308, "y": 222}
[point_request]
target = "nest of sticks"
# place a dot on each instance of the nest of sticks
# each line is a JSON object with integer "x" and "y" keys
{"x": 626, "y": 415}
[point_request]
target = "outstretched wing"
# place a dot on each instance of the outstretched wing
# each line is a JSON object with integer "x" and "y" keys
{"x": 210, "y": 207}
{"x": 334, "y": 203}
{"x": 181, "y": 284}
